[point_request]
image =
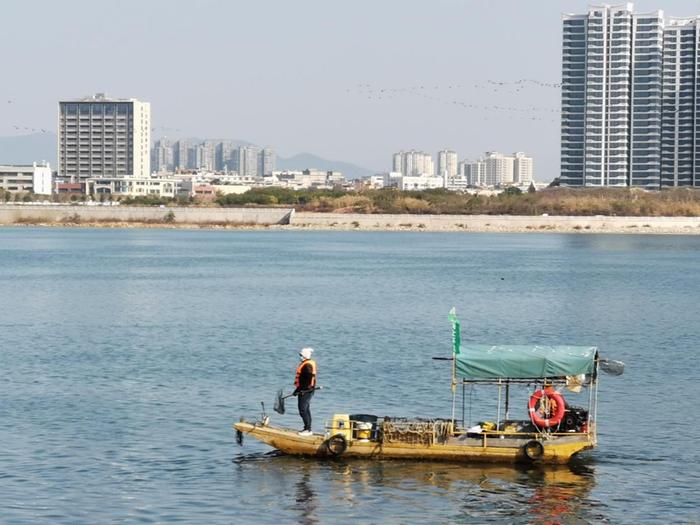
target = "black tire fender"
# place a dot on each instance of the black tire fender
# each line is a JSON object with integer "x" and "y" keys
{"x": 534, "y": 450}
{"x": 336, "y": 444}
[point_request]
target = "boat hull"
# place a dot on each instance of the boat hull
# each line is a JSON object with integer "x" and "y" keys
{"x": 488, "y": 449}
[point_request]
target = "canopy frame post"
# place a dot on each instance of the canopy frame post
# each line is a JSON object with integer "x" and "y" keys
{"x": 454, "y": 396}
{"x": 464, "y": 400}
{"x": 498, "y": 412}
{"x": 507, "y": 399}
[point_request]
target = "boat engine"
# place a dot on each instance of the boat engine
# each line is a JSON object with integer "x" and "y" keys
{"x": 574, "y": 419}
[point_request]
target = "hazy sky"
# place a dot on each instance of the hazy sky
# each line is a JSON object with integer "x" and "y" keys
{"x": 304, "y": 75}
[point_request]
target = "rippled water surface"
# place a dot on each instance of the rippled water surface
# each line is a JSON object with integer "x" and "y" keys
{"x": 127, "y": 354}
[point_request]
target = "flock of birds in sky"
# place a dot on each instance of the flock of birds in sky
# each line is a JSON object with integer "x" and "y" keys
{"x": 449, "y": 95}
{"x": 442, "y": 94}
{"x": 27, "y": 128}
{"x": 42, "y": 130}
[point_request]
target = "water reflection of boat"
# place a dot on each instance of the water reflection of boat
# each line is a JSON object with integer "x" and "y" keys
{"x": 522, "y": 493}
{"x": 554, "y": 433}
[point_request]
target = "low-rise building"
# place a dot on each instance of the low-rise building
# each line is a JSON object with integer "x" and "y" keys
{"x": 73, "y": 188}
{"x": 231, "y": 189}
{"x": 203, "y": 192}
{"x": 422, "y": 182}
{"x": 456, "y": 183}
{"x": 386, "y": 180}
{"x": 139, "y": 186}
{"x": 306, "y": 179}
{"x": 36, "y": 179}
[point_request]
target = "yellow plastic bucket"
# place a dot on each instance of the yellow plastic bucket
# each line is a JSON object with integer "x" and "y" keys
{"x": 364, "y": 430}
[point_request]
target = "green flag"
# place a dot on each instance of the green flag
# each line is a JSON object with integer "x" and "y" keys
{"x": 456, "y": 332}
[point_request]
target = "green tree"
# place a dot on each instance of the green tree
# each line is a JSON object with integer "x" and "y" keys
{"x": 512, "y": 190}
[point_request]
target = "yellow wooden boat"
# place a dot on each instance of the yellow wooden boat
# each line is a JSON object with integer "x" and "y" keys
{"x": 554, "y": 433}
{"x": 493, "y": 447}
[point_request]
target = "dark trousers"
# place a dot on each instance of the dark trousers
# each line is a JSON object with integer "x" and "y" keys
{"x": 305, "y": 408}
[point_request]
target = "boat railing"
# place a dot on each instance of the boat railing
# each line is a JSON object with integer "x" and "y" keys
{"x": 501, "y": 434}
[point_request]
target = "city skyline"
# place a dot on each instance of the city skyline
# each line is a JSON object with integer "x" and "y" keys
{"x": 345, "y": 117}
{"x": 352, "y": 99}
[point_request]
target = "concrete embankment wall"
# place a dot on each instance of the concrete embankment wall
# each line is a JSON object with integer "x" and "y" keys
{"x": 55, "y": 214}
{"x": 503, "y": 223}
{"x": 12, "y": 214}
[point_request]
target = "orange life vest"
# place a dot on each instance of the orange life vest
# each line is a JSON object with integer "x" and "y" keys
{"x": 312, "y": 364}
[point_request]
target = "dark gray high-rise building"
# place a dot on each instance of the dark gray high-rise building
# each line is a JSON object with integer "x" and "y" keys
{"x": 248, "y": 161}
{"x": 268, "y": 160}
{"x": 182, "y": 155}
{"x": 225, "y": 153}
{"x": 104, "y": 137}
{"x": 162, "y": 157}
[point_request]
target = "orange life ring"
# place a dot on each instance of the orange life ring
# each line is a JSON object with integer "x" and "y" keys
{"x": 556, "y": 399}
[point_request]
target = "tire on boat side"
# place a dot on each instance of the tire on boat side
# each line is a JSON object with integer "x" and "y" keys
{"x": 336, "y": 445}
{"x": 534, "y": 450}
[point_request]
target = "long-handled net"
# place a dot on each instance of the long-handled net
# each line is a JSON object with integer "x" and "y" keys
{"x": 279, "y": 402}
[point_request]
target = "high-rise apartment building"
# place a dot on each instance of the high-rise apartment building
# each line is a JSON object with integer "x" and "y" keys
{"x": 182, "y": 154}
{"x": 162, "y": 158}
{"x": 412, "y": 163}
{"x": 205, "y": 156}
{"x": 268, "y": 160}
{"x": 472, "y": 171}
{"x": 680, "y": 103}
{"x": 213, "y": 155}
{"x": 447, "y": 163}
{"x": 248, "y": 161}
{"x": 225, "y": 153}
{"x": 498, "y": 169}
{"x": 104, "y": 137}
{"x": 629, "y": 99}
{"x": 522, "y": 168}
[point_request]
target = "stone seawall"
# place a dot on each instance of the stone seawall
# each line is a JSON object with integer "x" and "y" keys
{"x": 498, "y": 223}
{"x": 14, "y": 214}
{"x": 286, "y": 218}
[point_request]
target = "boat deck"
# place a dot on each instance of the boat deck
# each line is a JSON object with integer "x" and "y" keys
{"x": 486, "y": 447}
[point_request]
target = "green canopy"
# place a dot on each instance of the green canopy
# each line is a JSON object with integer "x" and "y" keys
{"x": 523, "y": 361}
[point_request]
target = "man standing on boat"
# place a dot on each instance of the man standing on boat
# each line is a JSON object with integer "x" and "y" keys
{"x": 305, "y": 383}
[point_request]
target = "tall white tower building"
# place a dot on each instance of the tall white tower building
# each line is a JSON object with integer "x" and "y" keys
{"x": 412, "y": 163}
{"x": 630, "y": 99}
{"x": 104, "y": 137}
{"x": 522, "y": 168}
{"x": 498, "y": 169}
{"x": 447, "y": 163}
{"x": 680, "y": 92}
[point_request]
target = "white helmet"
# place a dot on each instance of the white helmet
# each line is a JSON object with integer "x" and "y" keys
{"x": 306, "y": 352}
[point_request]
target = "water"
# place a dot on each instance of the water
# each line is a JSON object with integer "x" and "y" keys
{"x": 127, "y": 354}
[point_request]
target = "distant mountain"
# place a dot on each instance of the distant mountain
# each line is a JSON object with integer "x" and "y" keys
{"x": 25, "y": 149}
{"x": 37, "y": 147}
{"x": 309, "y": 160}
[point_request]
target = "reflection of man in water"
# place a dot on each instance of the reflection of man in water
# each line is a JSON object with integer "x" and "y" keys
{"x": 306, "y": 500}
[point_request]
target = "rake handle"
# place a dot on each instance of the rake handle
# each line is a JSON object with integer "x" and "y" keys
{"x": 303, "y": 391}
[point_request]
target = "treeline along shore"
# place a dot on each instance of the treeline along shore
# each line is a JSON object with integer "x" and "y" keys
{"x": 552, "y": 201}
{"x": 552, "y": 210}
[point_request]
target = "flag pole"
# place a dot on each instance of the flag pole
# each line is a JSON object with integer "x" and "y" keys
{"x": 456, "y": 341}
